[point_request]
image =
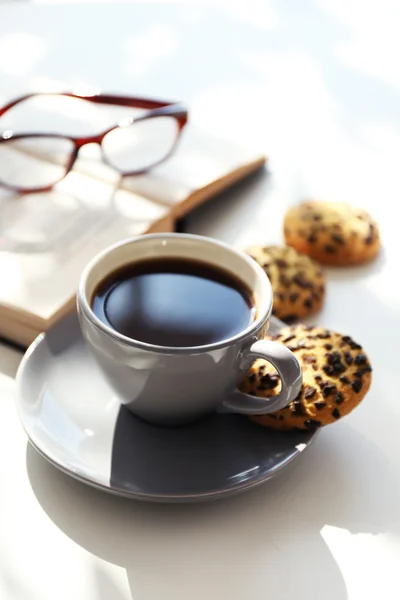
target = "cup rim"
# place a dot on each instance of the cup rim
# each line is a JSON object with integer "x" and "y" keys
{"x": 84, "y": 304}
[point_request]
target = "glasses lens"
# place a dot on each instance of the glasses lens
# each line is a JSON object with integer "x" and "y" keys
{"x": 34, "y": 161}
{"x": 141, "y": 145}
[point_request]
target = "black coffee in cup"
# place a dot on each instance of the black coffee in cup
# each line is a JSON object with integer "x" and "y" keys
{"x": 174, "y": 302}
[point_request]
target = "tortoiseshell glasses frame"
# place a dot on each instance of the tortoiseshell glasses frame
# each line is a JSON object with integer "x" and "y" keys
{"x": 153, "y": 109}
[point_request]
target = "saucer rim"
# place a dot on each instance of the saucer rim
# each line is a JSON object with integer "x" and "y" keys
{"x": 169, "y": 498}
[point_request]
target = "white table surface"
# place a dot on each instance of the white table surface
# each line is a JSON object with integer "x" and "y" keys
{"x": 317, "y": 84}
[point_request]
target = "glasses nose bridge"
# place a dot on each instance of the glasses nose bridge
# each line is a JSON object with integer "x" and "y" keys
{"x": 84, "y": 141}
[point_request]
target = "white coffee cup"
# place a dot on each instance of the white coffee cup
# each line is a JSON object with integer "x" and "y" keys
{"x": 175, "y": 385}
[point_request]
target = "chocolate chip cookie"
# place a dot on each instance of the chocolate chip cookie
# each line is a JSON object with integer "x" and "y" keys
{"x": 297, "y": 281}
{"x": 336, "y": 377}
{"x": 332, "y": 233}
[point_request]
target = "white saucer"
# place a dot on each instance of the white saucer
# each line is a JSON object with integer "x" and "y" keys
{"x": 75, "y": 421}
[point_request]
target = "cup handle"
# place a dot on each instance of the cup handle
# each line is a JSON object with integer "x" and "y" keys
{"x": 289, "y": 371}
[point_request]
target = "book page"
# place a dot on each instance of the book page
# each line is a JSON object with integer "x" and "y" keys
{"x": 198, "y": 161}
{"x": 46, "y": 239}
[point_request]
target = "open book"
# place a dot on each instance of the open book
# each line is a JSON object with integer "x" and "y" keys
{"x": 47, "y": 238}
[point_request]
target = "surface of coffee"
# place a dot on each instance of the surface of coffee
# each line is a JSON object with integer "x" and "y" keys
{"x": 174, "y": 302}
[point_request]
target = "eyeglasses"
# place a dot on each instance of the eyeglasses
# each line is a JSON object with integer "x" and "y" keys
{"x": 35, "y": 162}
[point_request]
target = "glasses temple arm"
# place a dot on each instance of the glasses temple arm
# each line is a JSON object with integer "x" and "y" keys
{"x": 131, "y": 102}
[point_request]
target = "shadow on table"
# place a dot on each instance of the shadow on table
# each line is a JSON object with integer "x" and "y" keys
{"x": 267, "y": 539}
